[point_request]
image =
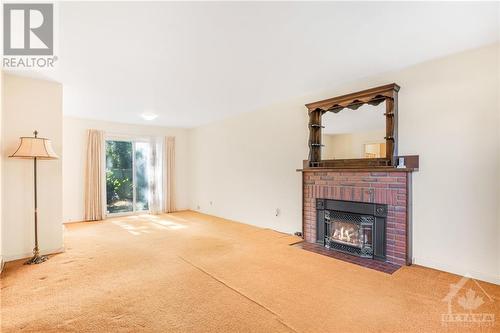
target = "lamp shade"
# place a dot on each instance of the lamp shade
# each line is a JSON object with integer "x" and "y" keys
{"x": 33, "y": 147}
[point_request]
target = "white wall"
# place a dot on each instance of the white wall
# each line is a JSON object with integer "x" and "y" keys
{"x": 28, "y": 105}
{"x": 246, "y": 167}
{"x": 1, "y": 163}
{"x": 498, "y": 157}
{"x": 75, "y": 145}
{"x": 449, "y": 114}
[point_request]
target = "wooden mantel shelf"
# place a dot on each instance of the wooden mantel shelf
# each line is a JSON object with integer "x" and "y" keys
{"x": 411, "y": 162}
{"x": 366, "y": 169}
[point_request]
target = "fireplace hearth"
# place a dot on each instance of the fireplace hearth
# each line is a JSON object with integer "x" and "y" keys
{"x": 355, "y": 228}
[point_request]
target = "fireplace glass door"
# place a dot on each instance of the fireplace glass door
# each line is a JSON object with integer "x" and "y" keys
{"x": 346, "y": 232}
{"x": 350, "y": 233}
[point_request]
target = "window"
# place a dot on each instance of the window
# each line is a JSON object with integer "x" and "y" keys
{"x": 127, "y": 179}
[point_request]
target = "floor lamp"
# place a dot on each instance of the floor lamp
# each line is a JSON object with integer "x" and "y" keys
{"x": 35, "y": 148}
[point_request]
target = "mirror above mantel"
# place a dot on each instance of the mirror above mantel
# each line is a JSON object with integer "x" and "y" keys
{"x": 355, "y": 130}
{"x": 354, "y": 134}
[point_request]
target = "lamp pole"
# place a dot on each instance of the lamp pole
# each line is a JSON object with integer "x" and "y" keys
{"x": 37, "y": 258}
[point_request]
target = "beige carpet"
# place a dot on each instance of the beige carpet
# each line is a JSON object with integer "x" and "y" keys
{"x": 188, "y": 272}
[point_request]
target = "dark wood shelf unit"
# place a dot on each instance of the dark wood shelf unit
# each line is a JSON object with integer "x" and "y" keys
{"x": 374, "y": 96}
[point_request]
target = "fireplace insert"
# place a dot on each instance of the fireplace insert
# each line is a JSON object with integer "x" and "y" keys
{"x": 356, "y": 228}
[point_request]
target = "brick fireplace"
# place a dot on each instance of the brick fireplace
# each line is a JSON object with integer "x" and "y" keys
{"x": 360, "y": 206}
{"x": 390, "y": 187}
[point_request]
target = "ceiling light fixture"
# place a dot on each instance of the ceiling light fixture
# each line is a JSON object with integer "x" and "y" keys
{"x": 149, "y": 116}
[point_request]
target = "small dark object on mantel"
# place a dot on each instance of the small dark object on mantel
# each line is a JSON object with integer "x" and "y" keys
{"x": 298, "y": 234}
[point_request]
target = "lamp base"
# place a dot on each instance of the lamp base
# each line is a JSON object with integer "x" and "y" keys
{"x": 37, "y": 258}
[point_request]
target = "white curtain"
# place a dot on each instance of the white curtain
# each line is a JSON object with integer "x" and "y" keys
{"x": 156, "y": 177}
{"x": 94, "y": 170}
{"x": 169, "y": 174}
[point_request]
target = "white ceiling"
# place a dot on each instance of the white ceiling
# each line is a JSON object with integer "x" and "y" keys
{"x": 193, "y": 63}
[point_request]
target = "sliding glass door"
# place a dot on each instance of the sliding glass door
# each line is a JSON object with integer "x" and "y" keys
{"x": 141, "y": 183}
{"x": 127, "y": 181}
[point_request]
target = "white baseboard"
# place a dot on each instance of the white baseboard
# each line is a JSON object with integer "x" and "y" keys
{"x": 27, "y": 255}
{"x": 487, "y": 277}
{"x": 71, "y": 222}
